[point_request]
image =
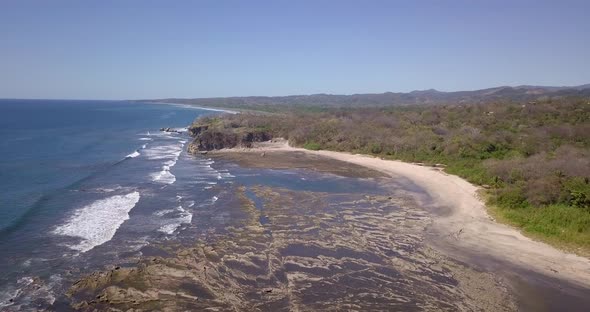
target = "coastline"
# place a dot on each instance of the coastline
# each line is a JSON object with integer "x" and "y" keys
{"x": 334, "y": 236}
{"x": 194, "y": 107}
{"x": 282, "y": 247}
{"x": 470, "y": 231}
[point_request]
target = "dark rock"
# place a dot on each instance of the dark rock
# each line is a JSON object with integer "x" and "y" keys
{"x": 196, "y": 130}
{"x": 170, "y": 130}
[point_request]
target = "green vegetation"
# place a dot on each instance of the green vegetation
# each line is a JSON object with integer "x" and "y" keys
{"x": 533, "y": 157}
{"x": 312, "y": 146}
{"x": 562, "y": 225}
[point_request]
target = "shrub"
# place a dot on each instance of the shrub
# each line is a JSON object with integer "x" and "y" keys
{"x": 312, "y": 146}
{"x": 376, "y": 148}
{"x": 511, "y": 197}
{"x": 578, "y": 191}
{"x": 546, "y": 191}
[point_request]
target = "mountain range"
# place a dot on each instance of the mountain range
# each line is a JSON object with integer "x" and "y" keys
{"x": 431, "y": 96}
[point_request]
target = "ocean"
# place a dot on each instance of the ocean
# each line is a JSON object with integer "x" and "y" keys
{"x": 82, "y": 179}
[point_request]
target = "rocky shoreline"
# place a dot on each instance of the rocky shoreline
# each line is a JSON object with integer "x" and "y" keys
{"x": 208, "y": 138}
{"x": 301, "y": 251}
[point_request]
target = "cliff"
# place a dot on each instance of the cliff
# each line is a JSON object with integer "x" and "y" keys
{"x": 211, "y": 136}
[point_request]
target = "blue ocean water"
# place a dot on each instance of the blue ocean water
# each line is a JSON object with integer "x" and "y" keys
{"x": 72, "y": 171}
{"x": 49, "y": 145}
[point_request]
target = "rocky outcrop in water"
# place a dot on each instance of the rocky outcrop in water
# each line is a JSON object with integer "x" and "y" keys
{"x": 172, "y": 130}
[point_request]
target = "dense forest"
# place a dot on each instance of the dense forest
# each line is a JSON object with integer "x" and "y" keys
{"x": 533, "y": 158}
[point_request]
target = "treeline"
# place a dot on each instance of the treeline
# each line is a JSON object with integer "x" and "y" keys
{"x": 321, "y": 102}
{"x": 534, "y": 157}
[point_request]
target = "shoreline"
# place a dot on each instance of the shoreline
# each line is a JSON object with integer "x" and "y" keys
{"x": 471, "y": 233}
{"x": 195, "y": 107}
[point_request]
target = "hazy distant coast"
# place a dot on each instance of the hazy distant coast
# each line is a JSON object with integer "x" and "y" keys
{"x": 194, "y": 107}
{"x": 314, "y": 102}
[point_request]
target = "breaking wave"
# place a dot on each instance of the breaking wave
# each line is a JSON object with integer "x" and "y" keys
{"x": 97, "y": 223}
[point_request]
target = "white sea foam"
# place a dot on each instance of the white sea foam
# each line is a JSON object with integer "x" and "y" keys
{"x": 226, "y": 175}
{"x": 203, "y": 182}
{"x": 184, "y": 217}
{"x": 169, "y": 228}
{"x": 146, "y": 139}
{"x": 98, "y": 222}
{"x": 106, "y": 189}
{"x": 214, "y": 199}
{"x": 27, "y": 262}
{"x": 164, "y": 176}
{"x": 137, "y": 244}
{"x": 133, "y": 155}
{"x": 169, "y": 152}
{"x": 163, "y": 151}
{"x": 164, "y": 212}
{"x": 144, "y": 146}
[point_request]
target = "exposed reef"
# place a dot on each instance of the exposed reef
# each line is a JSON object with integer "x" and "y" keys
{"x": 290, "y": 250}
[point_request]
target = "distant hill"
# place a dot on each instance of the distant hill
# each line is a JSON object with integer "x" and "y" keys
{"x": 431, "y": 96}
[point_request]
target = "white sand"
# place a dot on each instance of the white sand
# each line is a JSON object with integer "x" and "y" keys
{"x": 468, "y": 225}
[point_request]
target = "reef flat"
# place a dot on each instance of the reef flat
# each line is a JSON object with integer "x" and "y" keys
{"x": 286, "y": 250}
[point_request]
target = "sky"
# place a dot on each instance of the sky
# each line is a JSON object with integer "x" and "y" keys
{"x": 160, "y": 49}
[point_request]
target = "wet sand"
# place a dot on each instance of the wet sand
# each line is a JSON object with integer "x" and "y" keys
{"x": 298, "y": 160}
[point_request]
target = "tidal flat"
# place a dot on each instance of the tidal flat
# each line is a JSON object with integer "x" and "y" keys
{"x": 349, "y": 238}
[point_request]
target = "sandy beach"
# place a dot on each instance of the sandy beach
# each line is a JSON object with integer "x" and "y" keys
{"x": 468, "y": 230}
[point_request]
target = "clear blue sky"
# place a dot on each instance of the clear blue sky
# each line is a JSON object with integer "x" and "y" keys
{"x": 154, "y": 49}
